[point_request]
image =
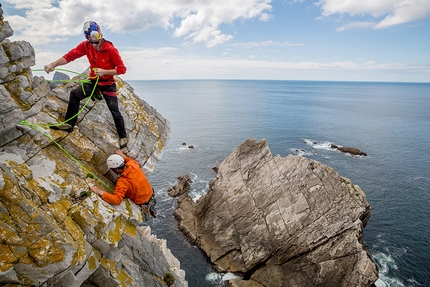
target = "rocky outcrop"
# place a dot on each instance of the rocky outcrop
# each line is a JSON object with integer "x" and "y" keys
{"x": 51, "y": 235}
{"x": 57, "y": 79}
{"x": 350, "y": 150}
{"x": 281, "y": 222}
{"x": 182, "y": 186}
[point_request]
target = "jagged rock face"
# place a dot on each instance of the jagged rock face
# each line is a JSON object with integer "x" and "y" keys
{"x": 281, "y": 222}
{"x": 49, "y": 235}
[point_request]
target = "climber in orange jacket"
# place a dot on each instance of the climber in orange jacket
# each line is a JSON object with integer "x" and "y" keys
{"x": 131, "y": 183}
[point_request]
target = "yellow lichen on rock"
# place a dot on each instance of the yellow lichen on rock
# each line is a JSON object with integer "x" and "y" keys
{"x": 92, "y": 262}
{"x": 45, "y": 251}
{"x": 118, "y": 273}
{"x": 7, "y": 258}
{"x": 130, "y": 229}
{"x": 83, "y": 217}
{"x": 13, "y": 88}
{"x": 115, "y": 234}
{"x": 80, "y": 147}
{"x": 78, "y": 239}
{"x": 8, "y": 233}
{"x": 107, "y": 263}
{"x": 41, "y": 193}
{"x": 59, "y": 209}
{"x": 20, "y": 169}
{"x": 124, "y": 279}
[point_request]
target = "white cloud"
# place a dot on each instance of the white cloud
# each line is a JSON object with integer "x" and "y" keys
{"x": 392, "y": 12}
{"x": 148, "y": 64}
{"x": 265, "y": 44}
{"x": 353, "y": 25}
{"x": 196, "y": 20}
{"x": 169, "y": 63}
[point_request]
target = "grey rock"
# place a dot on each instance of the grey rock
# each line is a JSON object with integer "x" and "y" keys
{"x": 281, "y": 221}
{"x": 5, "y": 29}
{"x": 58, "y": 76}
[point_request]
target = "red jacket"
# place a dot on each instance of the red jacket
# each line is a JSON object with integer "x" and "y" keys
{"x": 106, "y": 58}
{"x": 132, "y": 184}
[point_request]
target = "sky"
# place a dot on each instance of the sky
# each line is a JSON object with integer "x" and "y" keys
{"x": 324, "y": 40}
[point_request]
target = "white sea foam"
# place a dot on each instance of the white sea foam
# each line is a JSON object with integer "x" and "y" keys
{"x": 422, "y": 178}
{"x": 200, "y": 187}
{"x": 180, "y": 149}
{"x": 220, "y": 277}
{"x": 301, "y": 152}
{"x": 385, "y": 281}
{"x": 322, "y": 146}
{"x": 386, "y": 263}
{"x": 193, "y": 177}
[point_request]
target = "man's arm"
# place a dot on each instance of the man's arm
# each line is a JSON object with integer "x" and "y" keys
{"x": 121, "y": 154}
{"x": 50, "y": 67}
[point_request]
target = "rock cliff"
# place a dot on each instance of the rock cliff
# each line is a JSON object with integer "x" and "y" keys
{"x": 281, "y": 222}
{"x": 50, "y": 235}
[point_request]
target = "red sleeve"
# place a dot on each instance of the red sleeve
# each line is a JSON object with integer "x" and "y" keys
{"x": 117, "y": 60}
{"x": 77, "y": 52}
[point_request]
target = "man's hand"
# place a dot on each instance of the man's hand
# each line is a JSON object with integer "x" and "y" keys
{"x": 102, "y": 72}
{"x": 120, "y": 153}
{"x": 48, "y": 68}
{"x": 99, "y": 72}
{"x": 97, "y": 190}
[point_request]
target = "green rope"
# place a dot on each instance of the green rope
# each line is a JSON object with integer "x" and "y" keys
{"x": 36, "y": 126}
{"x": 83, "y": 90}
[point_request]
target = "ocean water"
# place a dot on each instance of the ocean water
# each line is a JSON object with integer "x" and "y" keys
{"x": 389, "y": 121}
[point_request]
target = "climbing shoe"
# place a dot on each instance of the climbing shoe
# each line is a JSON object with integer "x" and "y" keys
{"x": 123, "y": 142}
{"x": 63, "y": 127}
{"x": 97, "y": 95}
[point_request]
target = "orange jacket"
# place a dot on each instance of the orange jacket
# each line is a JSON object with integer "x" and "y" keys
{"x": 132, "y": 183}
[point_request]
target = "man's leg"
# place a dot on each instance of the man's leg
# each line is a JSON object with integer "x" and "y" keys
{"x": 76, "y": 95}
{"x": 109, "y": 93}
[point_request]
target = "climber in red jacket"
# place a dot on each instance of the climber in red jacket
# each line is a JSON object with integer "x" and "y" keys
{"x": 105, "y": 62}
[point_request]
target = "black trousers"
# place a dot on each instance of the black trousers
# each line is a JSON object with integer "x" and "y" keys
{"x": 109, "y": 94}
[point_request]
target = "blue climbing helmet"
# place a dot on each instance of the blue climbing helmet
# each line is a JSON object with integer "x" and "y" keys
{"x": 92, "y": 31}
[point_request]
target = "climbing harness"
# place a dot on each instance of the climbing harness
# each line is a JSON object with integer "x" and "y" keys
{"x": 37, "y": 127}
{"x": 148, "y": 208}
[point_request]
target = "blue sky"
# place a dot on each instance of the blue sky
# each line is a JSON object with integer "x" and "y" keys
{"x": 336, "y": 40}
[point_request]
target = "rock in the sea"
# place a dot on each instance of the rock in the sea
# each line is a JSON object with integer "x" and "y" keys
{"x": 350, "y": 150}
{"x": 281, "y": 222}
{"x": 182, "y": 186}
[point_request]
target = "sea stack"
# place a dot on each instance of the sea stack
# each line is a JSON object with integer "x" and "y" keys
{"x": 281, "y": 222}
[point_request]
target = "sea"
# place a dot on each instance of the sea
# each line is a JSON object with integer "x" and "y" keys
{"x": 388, "y": 121}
